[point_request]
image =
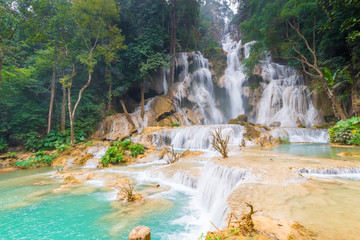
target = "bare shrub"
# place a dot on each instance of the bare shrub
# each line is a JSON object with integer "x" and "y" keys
{"x": 172, "y": 156}
{"x": 128, "y": 191}
{"x": 220, "y": 142}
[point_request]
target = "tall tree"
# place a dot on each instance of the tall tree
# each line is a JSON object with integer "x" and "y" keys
{"x": 93, "y": 19}
{"x": 14, "y": 16}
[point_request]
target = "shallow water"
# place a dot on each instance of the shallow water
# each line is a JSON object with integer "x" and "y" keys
{"x": 317, "y": 150}
{"x": 29, "y": 209}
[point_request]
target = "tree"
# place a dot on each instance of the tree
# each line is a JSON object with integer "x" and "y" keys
{"x": 315, "y": 71}
{"x": 93, "y": 20}
{"x": 173, "y": 20}
{"x": 153, "y": 63}
{"x": 14, "y": 15}
{"x": 112, "y": 44}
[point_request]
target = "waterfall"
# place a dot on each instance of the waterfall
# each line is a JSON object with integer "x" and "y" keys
{"x": 212, "y": 189}
{"x": 196, "y": 87}
{"x": 286, "y": 100}
{"x": 98, "y": 153}
{"x": 196, "y": 137}
{"x": 215, "y": 185}
{"x": 330, "y": 171}
{"x": 234, "y": 74}
{"x": 344, "y": 173}
{"x": 298, "y": 135}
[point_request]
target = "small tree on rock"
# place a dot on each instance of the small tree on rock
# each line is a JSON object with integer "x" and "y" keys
{"x": 220, "y": 141}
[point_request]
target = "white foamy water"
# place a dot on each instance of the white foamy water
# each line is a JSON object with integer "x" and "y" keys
{"x": 302, "y": 135}
{"x": 196, "y": 137}
{"x": 208, "y": 193}
{"x": 344, "y": 173}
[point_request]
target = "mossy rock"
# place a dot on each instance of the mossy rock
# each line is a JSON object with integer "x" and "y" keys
{"x": 251, "y": 132}
{"x": 241, "y": 119}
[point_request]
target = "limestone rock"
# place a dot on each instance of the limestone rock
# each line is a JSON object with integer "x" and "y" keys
{"x": 83, "y": 159}
{"x": 163, "y": 153}
{"x": 275, "y": 124}
{"x": 241, "y": 119}
{"x": 189, "y": 153}
{"x": 265, "y": 140}
{"x": 70, "y": 180}
{"x": 163, "y": 107}
{"x": 140, "y": 233}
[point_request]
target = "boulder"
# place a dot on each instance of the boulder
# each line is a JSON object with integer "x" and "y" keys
{"x": 241, "y": 119}
{"x": 266, "y": 139}
{"x": 70, "y": 180}
{"x": 140, "y": 233}
{"x": 163, "y": 107}
{"x": 190, "y": 115}
{"x": 83, "y": 159}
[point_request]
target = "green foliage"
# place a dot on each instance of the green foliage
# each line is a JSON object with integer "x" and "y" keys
{"x": 3, "y": 145}
{"x": 54, "y": 140}
{"x": 175, "y": 124}
{"x": 12, "y": 154}
{"x": 88, "y": 144}
{"x": 136, "y": 149}
{"x": 39, "y": 159}
{"x": 285, "y": 141}
{"x": 346, "y": 132}
{"x": 114, "y": 155}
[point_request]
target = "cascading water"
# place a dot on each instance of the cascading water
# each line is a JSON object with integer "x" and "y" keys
{"x": 215, "y": 185}
{"x": 234, "y": 75}
{"x": 286, "y": 100}
{"x": 298, "y": 135}
{"x": 210, "y": 191}
{"x": 345, "y": 173}
{"x": 196, "y": 86}
{"x": 185, "y": 137}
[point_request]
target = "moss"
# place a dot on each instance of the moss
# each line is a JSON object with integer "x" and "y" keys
{"x": 250, "y": 131}
{"x": 241, "y": 119}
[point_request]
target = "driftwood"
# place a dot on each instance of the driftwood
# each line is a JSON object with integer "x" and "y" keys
{"x": 245, "y": 224}
{"x": 220, "y": 143}
{"x": 127, "y": 115}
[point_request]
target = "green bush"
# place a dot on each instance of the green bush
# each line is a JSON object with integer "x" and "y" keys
{"x": 114, "y": 155}
{"x": 285, "y": 141}
{"x": 175, "y": 124}
{"x": 40, "y": 159}
{"x": 346, "y": 132}
{"x": 136, "y": 149}
{"x": 51, "y": 141}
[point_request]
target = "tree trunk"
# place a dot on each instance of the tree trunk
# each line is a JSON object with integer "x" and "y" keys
{"x": 336, "y": 105}
{"x": 142, "y": 100}
{"x": 173, "y": 11}
{"x": 109, "y": 97}
{"x": 354, "y": 100}
{"x": 52, "y": 91}
{"x": 63, "y": 110}
{"x": 71, "y": 117}
{"x": 127, "y": 115}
